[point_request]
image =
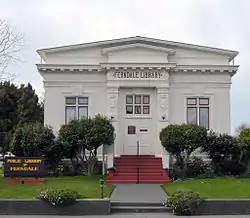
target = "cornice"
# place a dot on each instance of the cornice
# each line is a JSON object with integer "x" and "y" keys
{"x": 70, "y": 83}
{"x": 67, "y": 67}
{"x": 231, "y": 69}
{"x": 137, "y": 65}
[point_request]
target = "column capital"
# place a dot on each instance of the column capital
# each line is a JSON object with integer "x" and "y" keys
{"x": 162, "y": 90}
{"x": 112, "y": 90}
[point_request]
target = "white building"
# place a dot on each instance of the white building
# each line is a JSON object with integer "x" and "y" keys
{"x": 142, "y": 84}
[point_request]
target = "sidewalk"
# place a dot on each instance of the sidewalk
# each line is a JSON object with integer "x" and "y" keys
{"x": 149, "y": 193}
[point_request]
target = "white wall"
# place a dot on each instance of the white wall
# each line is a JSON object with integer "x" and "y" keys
{"x": 137, "y": 55}
{"x": 76, "y": 56}
{"x": 90, "y": 85}
{"x": 195, "y": 57}
{"x": 214, "y": 86}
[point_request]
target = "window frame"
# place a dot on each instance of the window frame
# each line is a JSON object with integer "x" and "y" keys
{"x": 198, "y": 105}
{"x": 77, "y": 105}
{"x": 196, "y": 113}
{"x": 131, "y": 130}
{"x": 135, "y": 104}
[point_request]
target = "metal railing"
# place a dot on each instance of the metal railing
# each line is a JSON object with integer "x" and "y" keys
{"x": 138, "y": 162}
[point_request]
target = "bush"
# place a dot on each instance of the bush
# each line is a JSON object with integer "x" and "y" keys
{"x": 196, "y": 167}
{"x": 59, "y": 197}
{"x": 224, "y": 152}
{"x": 31, "y": 140}
{"x": 181, "y": 140}
{"x": 184, "y": 202}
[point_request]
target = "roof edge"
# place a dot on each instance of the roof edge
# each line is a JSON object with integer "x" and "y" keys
{"x": 231, "y": 53}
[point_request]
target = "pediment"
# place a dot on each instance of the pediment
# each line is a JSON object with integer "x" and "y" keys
{"x": 138, "y": 47}
{"x": 137, "y": 52}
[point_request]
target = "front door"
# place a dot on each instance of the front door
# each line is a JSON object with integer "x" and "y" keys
{"x": 137, "y": 130}
{"x": 137, "y": 122}
{"x": 134, "y": 132}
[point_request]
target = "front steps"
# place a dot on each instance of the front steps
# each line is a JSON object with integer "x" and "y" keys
{"x": 150, "y": 170}
{"x": 135, "y": 207}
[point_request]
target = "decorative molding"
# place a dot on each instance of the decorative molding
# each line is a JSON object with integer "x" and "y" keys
{"x": 53, "y": 83}
{"x": 42, "y": 68}
{"x": 137, "y": 45}
{"x": 163, "y": 103}
{"x": 112, "y": 90}
{"x": 137, "y": 65}
{"x": 112, "y": 107}
{"x": 232, "y": 69}
{"x": 74, "y": 81}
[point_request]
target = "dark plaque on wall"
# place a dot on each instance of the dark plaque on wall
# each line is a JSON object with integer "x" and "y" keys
{"x": 24, "y": 167}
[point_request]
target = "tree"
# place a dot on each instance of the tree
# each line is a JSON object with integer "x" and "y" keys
{"x": 18, "y": 105}
{"x": 224, "y": 152}
{"x": 85, "y": 136}
{"x": 32, "y": 140}
{"x": 11, "y": 42}
{"x": 9, "y": 95}
{"x": 239, "y": 128}
{"x": 69, "y": 136}
{"x": 181, "y": 141}
{"x": 35, "y": 140}
{"x": 29, "y": 108}
{"x": 244, "y": 142}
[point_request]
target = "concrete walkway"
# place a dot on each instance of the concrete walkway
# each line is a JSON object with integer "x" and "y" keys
{"x": 142, "y": 193}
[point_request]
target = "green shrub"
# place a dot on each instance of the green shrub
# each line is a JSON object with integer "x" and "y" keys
{"x": 184, "y": 202}
{"x": 59, "y": 197}
{"x": 196, "y": 167}
{"x": 225, "y": 154}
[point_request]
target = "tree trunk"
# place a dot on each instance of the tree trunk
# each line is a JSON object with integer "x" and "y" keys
{"x": 91, "y": 161}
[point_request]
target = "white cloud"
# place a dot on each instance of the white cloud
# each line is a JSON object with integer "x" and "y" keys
{"x": 222, "y": 23}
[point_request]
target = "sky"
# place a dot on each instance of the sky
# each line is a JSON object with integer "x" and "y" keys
{"x": 217, "y": 23}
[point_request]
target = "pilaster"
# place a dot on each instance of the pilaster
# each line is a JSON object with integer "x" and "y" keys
{"x": 112, "y": 112}
{"x": 163, "y": 119}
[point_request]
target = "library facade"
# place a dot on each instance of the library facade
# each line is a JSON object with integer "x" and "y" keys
{"x": 142, "y": 85}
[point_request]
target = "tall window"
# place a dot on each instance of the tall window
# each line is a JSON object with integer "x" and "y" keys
{"x": 76, "y": 108}
{"x": 137, "y": 104}
{"x": 198, "y": 111}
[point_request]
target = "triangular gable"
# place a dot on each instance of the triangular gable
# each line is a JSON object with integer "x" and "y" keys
{"x": 139, "y": 41}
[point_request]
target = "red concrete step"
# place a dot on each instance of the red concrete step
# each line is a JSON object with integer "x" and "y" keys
{"x": 137, "y": 156}
{"x": 131, "y": 170}
{"x": 150, "y": 170}
{"x": 133, "y": 181}
{"x": 142, "y": 177}
{"x": 140, "y": 174}
{"x": 141, "y": 167}
{"x": 139, "y": 161}
{"x": 122, "y": 181}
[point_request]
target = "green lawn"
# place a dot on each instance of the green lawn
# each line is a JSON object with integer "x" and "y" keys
{"x": 86, "y": 186}
{"x": 214, "y": 188}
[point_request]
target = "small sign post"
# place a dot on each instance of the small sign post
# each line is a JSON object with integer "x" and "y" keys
{"x": 102, "y": 188}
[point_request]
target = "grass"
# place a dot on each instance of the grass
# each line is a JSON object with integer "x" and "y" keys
{"x": 214, "y": 188}
{"x": 86, "y": 186}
